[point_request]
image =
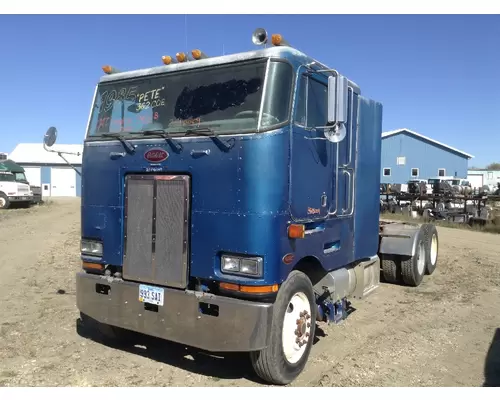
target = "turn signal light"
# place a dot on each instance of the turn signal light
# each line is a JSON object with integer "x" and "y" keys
{"x": 249, "y": 289}
{"x": 92, "y": 266}
{"x": 296, "y": 231}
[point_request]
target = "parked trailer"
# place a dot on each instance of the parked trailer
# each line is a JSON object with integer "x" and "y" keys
{"x": 230, "y": 203}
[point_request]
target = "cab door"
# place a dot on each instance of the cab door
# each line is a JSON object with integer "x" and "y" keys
{"x": 345, "y": 168}
{"x": 311, "y": 155}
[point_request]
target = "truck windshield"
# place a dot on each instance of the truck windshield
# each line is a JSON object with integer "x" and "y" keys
{"x": 20, "y": 177}
{"x": 226, "y": 99}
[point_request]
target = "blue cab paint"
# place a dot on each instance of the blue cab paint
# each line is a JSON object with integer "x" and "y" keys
{"x": 243, "y": 199}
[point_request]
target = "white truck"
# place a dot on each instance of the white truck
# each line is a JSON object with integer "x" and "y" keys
{"x": 13, "y": 192}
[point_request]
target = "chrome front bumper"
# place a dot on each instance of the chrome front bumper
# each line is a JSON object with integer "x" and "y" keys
{"x": 240, "y": 325}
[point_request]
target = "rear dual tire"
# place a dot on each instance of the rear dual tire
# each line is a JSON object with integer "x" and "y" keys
{"x": 411, "y": 270}
{"x": 432, "y": 240}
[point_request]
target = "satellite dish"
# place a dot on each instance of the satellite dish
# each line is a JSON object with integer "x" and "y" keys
{"x": 50, "y": 137}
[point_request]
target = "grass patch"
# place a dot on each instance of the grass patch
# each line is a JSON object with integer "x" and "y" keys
{"x": 488, "y": 227}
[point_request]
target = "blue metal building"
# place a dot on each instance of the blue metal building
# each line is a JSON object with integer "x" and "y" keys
{"x": 409, "y": 155}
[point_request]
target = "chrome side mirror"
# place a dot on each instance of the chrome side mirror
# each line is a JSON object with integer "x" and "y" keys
{"x": 338, "y": 92}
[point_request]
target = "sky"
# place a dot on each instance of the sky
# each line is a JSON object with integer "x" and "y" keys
{"x": 435, "y": 74}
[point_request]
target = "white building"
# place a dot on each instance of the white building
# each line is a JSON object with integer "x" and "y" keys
{"x": 479, "y": 178}
{"x": 49, "y": 170}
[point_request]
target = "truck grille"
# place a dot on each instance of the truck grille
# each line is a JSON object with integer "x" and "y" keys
{"x": 23, "y": 189}
{"x": 156, "y": 229}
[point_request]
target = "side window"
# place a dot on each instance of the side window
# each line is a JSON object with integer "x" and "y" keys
{"x": 312, "y": 97}
{"x": 317, "y": 98}
{"x": 301, "y": 111}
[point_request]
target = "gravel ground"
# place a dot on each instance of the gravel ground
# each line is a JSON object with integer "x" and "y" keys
{"x": 444, "y": 333}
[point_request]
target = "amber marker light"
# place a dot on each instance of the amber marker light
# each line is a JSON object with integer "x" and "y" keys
{"x": 249, "y": 289}
{"x": 181, "y": 57}
{"x": 198, "y": 54}
{"x": 296, "y": 231}
{"x": 92, "y": 266}
{"x": 108, "y": 69}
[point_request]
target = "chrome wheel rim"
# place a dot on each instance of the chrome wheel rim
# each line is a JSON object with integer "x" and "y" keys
{"x": 296, "y": 327}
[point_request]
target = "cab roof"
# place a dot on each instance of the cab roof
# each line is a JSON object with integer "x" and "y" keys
{"x": 286, "y": 52}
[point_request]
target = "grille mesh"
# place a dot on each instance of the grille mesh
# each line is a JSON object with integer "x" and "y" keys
{"x": 156, "y": 231}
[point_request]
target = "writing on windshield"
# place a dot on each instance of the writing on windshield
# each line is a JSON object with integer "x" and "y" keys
{"x": 224, "y": 98}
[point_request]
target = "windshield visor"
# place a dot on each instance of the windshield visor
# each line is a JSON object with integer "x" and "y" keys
{"x": 227, "y": 99}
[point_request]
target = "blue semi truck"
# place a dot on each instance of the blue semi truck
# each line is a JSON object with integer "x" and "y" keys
{"x": 230, "y": 203}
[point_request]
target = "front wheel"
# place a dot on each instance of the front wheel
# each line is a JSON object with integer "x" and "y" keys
{"x": 292, "y": 332}
{"x": 4, "y": 202}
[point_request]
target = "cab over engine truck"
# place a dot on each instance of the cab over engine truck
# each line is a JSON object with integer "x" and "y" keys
{"x": 230, "y": 203}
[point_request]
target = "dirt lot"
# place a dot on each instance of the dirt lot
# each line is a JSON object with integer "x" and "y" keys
{"x": 440, "y": 334}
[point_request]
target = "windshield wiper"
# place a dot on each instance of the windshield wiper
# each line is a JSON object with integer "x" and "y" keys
{"x": 164, "y": 134}
{"x": 130, "y": 148}
{"x": 207, "y": 132}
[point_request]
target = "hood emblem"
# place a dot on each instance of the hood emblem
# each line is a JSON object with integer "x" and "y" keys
{"x": 156, "y": 155}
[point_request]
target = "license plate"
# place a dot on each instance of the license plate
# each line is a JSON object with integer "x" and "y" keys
{"x": 151, "y": 295}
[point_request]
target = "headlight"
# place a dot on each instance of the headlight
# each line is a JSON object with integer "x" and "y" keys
{"x": 247, "y": 266}
{"x": 91, "y": 248}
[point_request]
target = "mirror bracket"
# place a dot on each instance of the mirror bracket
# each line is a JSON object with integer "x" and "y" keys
{"x": 48, "y": 141}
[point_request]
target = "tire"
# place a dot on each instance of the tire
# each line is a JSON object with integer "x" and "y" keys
{"x": 413, "y": 268}
{"x": 271, "y": 364}
{"x": 4, "y": 202}
{"x": 107, "y": 332}
{"x": 432, "y": 251}
{"x": 390, "y": 268}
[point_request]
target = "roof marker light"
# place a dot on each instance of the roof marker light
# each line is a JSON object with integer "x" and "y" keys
{"x": 167, "y": 60}
{"x": 108, "y": 69}
{"x": 278, "y": 40}
{"x": 181, "y": 57}
{"x": 198, "y": 54}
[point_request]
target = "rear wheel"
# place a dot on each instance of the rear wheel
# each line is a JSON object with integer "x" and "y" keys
{"x": 292, "y": 332}
{"x": 431, "y": 237}
{"x": 390, "y": 270}
{"x": 413, "y": 268}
